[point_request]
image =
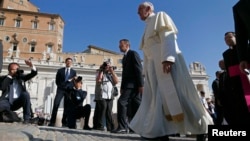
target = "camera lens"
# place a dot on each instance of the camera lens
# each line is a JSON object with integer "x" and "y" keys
{"x": 105, "y": 64}
{"x": 79, "y": 78}
{"x": 20, "y": 71}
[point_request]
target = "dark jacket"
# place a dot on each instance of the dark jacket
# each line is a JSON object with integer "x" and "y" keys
{"x": 76, "y": 97}
{"x": 6, "y": 82}
{"x": 132, "y": 71}
{"x": 241, "y": 12}
{"x": 1, "y": 56}
{"x": 60, "y": 77}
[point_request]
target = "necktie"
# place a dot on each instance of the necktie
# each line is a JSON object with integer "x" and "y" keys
{"x": 67, "y": 75}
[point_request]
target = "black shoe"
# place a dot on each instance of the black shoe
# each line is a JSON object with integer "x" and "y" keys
{"x": 99, "y": 128}
{"x": 87, "y": 128}
{"x": 162, "y": 138}
{"x": 51, "y": 124}
{"x": 201, "y": 137}
{"x": 121, "y": 131}
{"x": 109, "y": 130}
{"x": 64, "y": 125}
{"x": 131, "y": 132}
{"x": 175, "y": 135}
{"x": 26, "y": 121}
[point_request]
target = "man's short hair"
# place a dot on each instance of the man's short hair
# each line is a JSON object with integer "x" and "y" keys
{"x": 125, "y": 40}
{"x": 68, "y": 59}
{"x": 13, "y": 63}
{"x": 229, "y": 32}
{"x": 217, "y": 73}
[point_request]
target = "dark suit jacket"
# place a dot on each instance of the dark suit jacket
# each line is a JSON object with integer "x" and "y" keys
{"x": 132, "y": 71}
{"x": 60, "y": 77}
{"x": 76, "y": 97}
{"x": 6, "y": 81}
{"x": 241, "y": 12}
{"x": 216, "y": 91}
{"x": 1, "y": 56}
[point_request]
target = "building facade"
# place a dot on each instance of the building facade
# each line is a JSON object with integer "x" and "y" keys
{"x": 26, "y": 33}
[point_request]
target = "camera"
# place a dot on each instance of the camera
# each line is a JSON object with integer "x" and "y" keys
{"x": 18, "y": 72}
{"x": 104, "y": 65}
{"x": 78, "y": 79}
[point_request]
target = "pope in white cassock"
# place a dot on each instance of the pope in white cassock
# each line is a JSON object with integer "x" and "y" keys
{"x": 170, "y": 102}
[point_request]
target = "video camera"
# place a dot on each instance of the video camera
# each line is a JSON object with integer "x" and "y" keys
{"x": 105, "y": 64}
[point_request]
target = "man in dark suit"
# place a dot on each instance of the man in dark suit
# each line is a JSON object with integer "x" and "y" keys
{"x": 63, "y": 80}
{"x": 241, "y": 14}
{"x": 14, "y": 93}
{"x": 131, "y": 86}
{"x": 217, "y": 101}
{"x": 1, "y": 55}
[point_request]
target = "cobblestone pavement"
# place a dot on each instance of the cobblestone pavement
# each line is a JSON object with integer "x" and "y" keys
{"x": 21, "y": 132}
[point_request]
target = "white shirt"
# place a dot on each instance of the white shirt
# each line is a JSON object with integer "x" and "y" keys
{"x": 106, "y": 88}
{"x": 15, "y": 88}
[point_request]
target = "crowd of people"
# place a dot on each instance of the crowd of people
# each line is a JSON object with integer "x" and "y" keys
{"x": 231, "y": 87}
{"x": 152, "y": 102}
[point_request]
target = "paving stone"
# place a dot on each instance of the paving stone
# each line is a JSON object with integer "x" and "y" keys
{"x": 21, "y": 132}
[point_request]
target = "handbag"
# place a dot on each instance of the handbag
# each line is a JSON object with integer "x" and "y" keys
{"x": 115, "y": 91}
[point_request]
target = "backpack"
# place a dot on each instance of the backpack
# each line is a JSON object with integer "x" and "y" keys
{"x": 9, "y": 116}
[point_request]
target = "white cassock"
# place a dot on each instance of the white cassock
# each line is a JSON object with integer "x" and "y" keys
{"x": 170, "y": 102}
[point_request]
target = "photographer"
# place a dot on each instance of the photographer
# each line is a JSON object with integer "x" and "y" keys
{"x": 75, "y": 109}
{"x": 105, "y": 80}
{"x": 14, "y": 93}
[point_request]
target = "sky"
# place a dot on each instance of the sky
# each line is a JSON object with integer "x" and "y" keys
{"x": 102, "y": 23}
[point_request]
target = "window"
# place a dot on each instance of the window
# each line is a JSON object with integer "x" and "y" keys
{"x": 1, "y": 22}
{"x": 60, "y": 59}
{"x": 18, "y": 23}
{"x": 14, "y": 45}
{"x": 51, "y": 26}
{"x": 74, "y": 58}
{"x": 35, "y": 22}
{"x": 49, "y": 48}
{"x": 32, "y": 48}
{"x": 34, "y": 25}
{"x": 7, "y": 38}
